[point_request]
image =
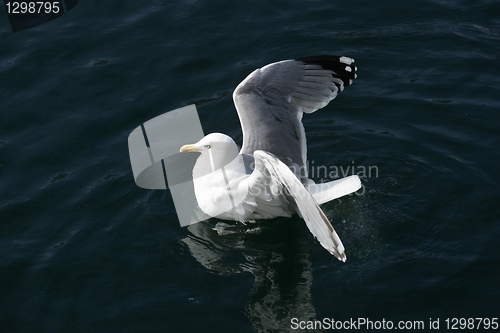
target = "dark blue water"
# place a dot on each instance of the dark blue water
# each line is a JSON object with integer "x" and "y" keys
{"x": 83, "y": 249}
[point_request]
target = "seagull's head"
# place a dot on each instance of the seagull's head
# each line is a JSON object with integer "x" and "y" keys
{"x": 217, "y": 150}
{"x": 215, "y": 143}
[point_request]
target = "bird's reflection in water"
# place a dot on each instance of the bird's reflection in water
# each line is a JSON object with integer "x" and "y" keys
{"x": 275, "y": 252}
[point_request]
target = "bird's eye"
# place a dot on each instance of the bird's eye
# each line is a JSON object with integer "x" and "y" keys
{"x": 207, "y": 146}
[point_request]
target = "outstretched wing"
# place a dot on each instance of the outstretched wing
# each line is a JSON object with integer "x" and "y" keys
{"x": 271, "y": 100}
{"x": 274, "y": 173}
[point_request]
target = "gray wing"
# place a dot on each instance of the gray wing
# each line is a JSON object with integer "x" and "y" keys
{"x": 269, "y": 170}
{"x": 271, "y": 100}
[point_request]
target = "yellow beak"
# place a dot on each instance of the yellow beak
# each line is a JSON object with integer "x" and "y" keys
{"x": 188, "y": 149}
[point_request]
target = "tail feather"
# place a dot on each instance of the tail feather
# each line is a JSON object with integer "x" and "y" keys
{"x": 335, "y": 189}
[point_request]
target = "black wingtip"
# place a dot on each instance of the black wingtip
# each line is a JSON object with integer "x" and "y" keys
{"x": 342, "y": 67}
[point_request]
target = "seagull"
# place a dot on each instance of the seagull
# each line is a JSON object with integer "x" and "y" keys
{"x": 268, "y": 177}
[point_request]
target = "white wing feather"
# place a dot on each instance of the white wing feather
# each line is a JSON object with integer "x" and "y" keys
{"x": 269, "y": 169}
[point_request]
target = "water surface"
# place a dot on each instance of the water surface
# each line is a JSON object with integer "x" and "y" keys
{"x": 85, "y": 250}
